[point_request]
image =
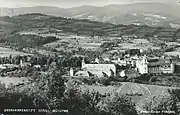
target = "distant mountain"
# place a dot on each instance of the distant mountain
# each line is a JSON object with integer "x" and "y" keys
{"x": 151, "y": 14}
{"x": 40, "y": 22}
{"x": 37, "y": 9}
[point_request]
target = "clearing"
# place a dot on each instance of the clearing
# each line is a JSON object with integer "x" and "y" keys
{"x": 6, "y": 52}
{"x": 14, "y": 80}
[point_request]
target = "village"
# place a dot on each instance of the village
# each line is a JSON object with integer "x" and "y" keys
{"x": 129, "y": 65}
{"x": 85, "y": 66}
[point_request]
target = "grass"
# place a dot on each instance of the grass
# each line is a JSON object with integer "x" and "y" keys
{"x": 131, "y": 89}
{"x": 174, "y": 53}
{"x": 138, "y": 44}
{"x": 6, "y": 52}
{"x": 138, "y": 41}
{"x": 90, "y": 45}
{"x": 13, "y": 80}
{"x": 73, "y": 42}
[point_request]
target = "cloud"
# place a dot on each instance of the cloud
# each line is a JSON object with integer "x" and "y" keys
{"x": 70, "y": 3}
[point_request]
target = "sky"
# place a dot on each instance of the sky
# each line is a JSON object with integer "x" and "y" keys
{"x": 71, "y": 3}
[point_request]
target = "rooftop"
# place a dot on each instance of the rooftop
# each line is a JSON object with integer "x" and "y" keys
{"x": 158, "y": 62}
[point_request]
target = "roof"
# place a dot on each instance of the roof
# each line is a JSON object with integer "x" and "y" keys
{"x": 159, "y": 62}
{"x": 82, "y": 74}
{"x": 99, "y": 69}
{"x": 110, "y": 66}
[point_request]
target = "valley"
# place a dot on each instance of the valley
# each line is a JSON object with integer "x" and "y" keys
{"x": 45, "y": 57}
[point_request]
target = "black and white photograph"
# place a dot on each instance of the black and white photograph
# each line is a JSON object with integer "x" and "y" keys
{"x": 89, "y": 57}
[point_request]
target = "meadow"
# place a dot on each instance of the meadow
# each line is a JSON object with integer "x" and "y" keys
{"x": 6, "y": 52}
{"x": 13, "y": 80}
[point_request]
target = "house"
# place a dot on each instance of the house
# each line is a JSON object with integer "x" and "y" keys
{"x": 82, "y": 74}
{"x": 127, "y": 61}
{"x": 158, "y": 66}
{"x": 155, "y": 65}
{"x": 99, "y": 69}
{"x": 122, "y": 73}
{"x": 71, "y": 72}
{"x": 24, "y": 64}
{"x": 120, "y": 62}
{"x": 37, "y": 66}
{"x": 2, "y": 67}
{"x": 128, "y": 36}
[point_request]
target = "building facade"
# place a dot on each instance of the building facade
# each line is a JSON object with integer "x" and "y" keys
{"x": 160, "y": 66}
{"x": 155, "y": 66}
{"x": 99, "y": 69}
{"x": 142, "y": 65}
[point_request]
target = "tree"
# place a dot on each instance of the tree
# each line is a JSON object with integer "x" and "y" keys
{"x": 48, "y": 89}
{"x": 80, "y": 102}
{"x": 116, "y": 104}
{"x": 159, "y": 103}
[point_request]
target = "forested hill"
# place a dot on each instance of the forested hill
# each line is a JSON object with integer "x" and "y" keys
{"x": 150, "y": 13}
{"x": 80, "y": 27}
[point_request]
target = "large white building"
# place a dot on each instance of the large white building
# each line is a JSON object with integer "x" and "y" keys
{"x": 155, "y": 66}
{"x": 159, "y": 66}
{"x": 142, "y": 65}
{"x": 99, "y": 69}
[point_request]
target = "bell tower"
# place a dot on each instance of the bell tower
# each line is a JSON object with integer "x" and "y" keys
{"x": 83, "y": 63}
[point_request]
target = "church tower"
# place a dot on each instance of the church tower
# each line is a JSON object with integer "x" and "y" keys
{"x": 83, "y": 63}
{"x": 145, "y": 65}
{"x": 142, "y": 65}
{"x": 21, "y": 62}
{"x": 172, "y": 66}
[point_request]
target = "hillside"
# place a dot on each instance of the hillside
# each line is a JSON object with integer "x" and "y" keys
{"x": 152, "y": 14}
{"x": 134, "y": 90}
{"x": 42, "y": 23}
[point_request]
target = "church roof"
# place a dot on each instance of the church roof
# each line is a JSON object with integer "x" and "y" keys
{"x": 110, "y": 66}
{"x": 160, "y": 62}
{"x": 99, "y": 69}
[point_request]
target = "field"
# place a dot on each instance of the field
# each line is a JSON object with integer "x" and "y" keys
{"x": 72, "y": 42}
{"x": 138, "y": 44}
{"x": 14, "y": 81}
{"x": 173, "y": 53}
{"x": 90, "y": 45}
{"x": 5, "y": 52}
{"x": 140, "y": 41}
{"x": 69, "y": 43}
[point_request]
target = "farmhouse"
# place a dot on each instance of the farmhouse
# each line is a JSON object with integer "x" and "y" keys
{"x": 99, "y": 69}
